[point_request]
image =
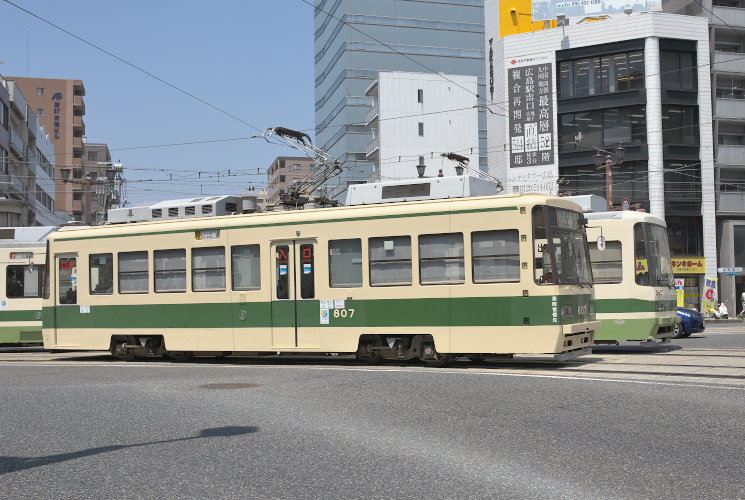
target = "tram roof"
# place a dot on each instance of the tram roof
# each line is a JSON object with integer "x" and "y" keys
{"x": 15, "y": 236}
{"x": 626, "y": 215}
{"x": 335, "y": 214}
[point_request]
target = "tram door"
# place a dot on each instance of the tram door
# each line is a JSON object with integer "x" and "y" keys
{"x": 65, "y": 293}
{"x": 294, "y": 294}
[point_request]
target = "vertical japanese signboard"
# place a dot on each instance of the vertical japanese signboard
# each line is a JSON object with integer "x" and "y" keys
{"x": 531, "y": 124}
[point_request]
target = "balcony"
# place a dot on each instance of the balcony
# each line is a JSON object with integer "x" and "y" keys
{"x": 33, "y": 122}
{"x": 731, "y": 155}
{"x": 733, "y": 202}
{"x": 17, "y": 185}
{"x": 16, "y": 97}
{"x": 733, "y": 16}
{"x": 373, "y": 147}
{"x": 731, "y": 108}
{"x": 17, "y": 144}
{"x": 78, "y": 125}
{"x": 372, "y": 114}
{"x": 78, "y": 105}
{"x": 729, "y": 62}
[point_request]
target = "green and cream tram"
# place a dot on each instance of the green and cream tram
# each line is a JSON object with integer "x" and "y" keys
{"x": 428, "y": 279}
{"x": 634, "y": 292}
{"x": 22, "y": 266}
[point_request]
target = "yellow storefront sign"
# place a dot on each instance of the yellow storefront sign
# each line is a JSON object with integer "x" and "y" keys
{"x": 689, "y": 265}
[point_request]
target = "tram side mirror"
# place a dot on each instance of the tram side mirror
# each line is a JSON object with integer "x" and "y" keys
{"x": 601, "y": 243}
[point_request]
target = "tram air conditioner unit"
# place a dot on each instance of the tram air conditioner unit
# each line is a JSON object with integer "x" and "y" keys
{"x": 184, "y": 209}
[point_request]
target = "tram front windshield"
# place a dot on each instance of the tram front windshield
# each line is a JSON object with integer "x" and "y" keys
{"x": 652, "y": 255}
{"x": 560, "y": 245}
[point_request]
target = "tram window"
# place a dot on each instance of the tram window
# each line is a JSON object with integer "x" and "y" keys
{"x": 208, "y": 268}
{"x": 246, "y": 267}
{"x": 282, "y": 253}
{"x": 68, "y": 281}
{"x": 308, "y": 273}
{"x": 441, "y": 259}
{"x": 170, "y": 270}
{"x": 390, "y": 261}
{"x": 24, "y": 281}
{"x": 641, "y": 261}
{"x": 345, "y": 263}
{"x": 101, "y": 269}
{"x": 133, "y": 272}
{"x": 607, "y": 265}
{"x": 542, "y": 263}
{"x": 496, "y": 256}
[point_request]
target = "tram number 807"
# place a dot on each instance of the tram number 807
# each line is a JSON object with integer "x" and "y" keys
{"x": 343, "y": 313}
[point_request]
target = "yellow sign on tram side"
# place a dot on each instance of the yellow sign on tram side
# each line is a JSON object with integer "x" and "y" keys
{"x": 642, "y": 266}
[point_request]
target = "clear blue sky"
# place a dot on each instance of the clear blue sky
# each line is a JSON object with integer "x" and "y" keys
{"x": 253, "y": 59}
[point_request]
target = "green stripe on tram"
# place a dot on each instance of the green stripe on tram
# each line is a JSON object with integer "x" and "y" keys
{"x": 294, "y": 223}
{"x": 26, "y": 315}
{"x": 20, "y": 334}
{"x": 464, "y": 311}
{"x": 606, "y": 306}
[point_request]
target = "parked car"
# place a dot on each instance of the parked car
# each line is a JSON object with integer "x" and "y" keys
{"x": 691, "y": 321}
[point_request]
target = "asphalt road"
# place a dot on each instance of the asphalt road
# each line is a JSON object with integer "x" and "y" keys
{"x": 328, "y": 429}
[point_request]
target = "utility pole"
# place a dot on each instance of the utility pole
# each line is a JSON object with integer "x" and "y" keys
{"x": 612, "y": 159}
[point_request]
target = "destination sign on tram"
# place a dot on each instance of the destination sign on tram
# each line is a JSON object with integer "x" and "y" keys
{"x": 21, "y": 255}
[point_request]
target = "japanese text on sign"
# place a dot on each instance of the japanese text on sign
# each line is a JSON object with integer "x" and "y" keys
{"x": 531, "y": 123}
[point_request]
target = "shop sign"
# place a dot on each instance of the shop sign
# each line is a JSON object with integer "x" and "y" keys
{"x": 548, "y": 10}
{"x": 730, "y": 271}
{"x": 689, "y": 265}
{"x": 679, "y": 283}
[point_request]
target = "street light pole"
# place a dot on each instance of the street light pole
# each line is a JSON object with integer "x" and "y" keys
{"x": 608, "y": 165}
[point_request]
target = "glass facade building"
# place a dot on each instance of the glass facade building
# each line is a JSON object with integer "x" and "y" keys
{"x": 441, "y": 36}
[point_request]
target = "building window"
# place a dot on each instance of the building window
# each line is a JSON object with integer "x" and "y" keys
{"x": 678, "y": 70}
{"x": 101, "y": 268}
{"x": 420, "y": 95}
{"x": 4, "y": 115}
{"x": 39, "y": 90}
{"x": 281, "y": 178}
{"x": 609, "y": 128}
{"x": 297, "y": 166}
{"x": 421, "y": 129}
{"x": 92, "y": 155}
{"x": 390, "y": 261}
{"x": 246, "y": 268}
{"x": 170, "y": 270}
{"x": 441, "y": 259}
{"x": 4, "y": 161}
{"x": 133, "y": 272}
{"x": 496, "y": 256}
{"x": 601, "y": 75}
{"x": 39, "y": 112}
{"x": 208, "y": 269}
{"x": 680, "y": 125}
{"x": 345, "y": 263}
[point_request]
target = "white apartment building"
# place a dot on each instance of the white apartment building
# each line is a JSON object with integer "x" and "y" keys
{"x": 415, "y": 118}
{"x": 640, "y": 81}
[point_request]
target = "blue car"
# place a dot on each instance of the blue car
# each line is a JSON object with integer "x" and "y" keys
{"x": 691, "y": 321}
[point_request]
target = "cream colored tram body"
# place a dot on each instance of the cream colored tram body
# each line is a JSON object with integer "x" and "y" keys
{"x": 22, "y": 271}
{"x": 634, "y": 292}
{"x": 425, "y": 280}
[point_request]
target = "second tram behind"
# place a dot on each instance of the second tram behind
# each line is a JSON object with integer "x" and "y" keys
{"x": 634, "y": 291}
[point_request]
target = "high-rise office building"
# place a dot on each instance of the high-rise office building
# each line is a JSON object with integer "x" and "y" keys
{"x": 445, "y": 36}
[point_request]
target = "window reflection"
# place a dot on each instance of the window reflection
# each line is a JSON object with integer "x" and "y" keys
{"x": 601, "y": 75}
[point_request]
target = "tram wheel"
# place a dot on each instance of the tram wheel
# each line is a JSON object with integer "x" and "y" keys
{"x": 365, "y": 355}
{"x": 442, "y": 360}
{"x": 181, "y": 356}
{"x": 125, "y": 355}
